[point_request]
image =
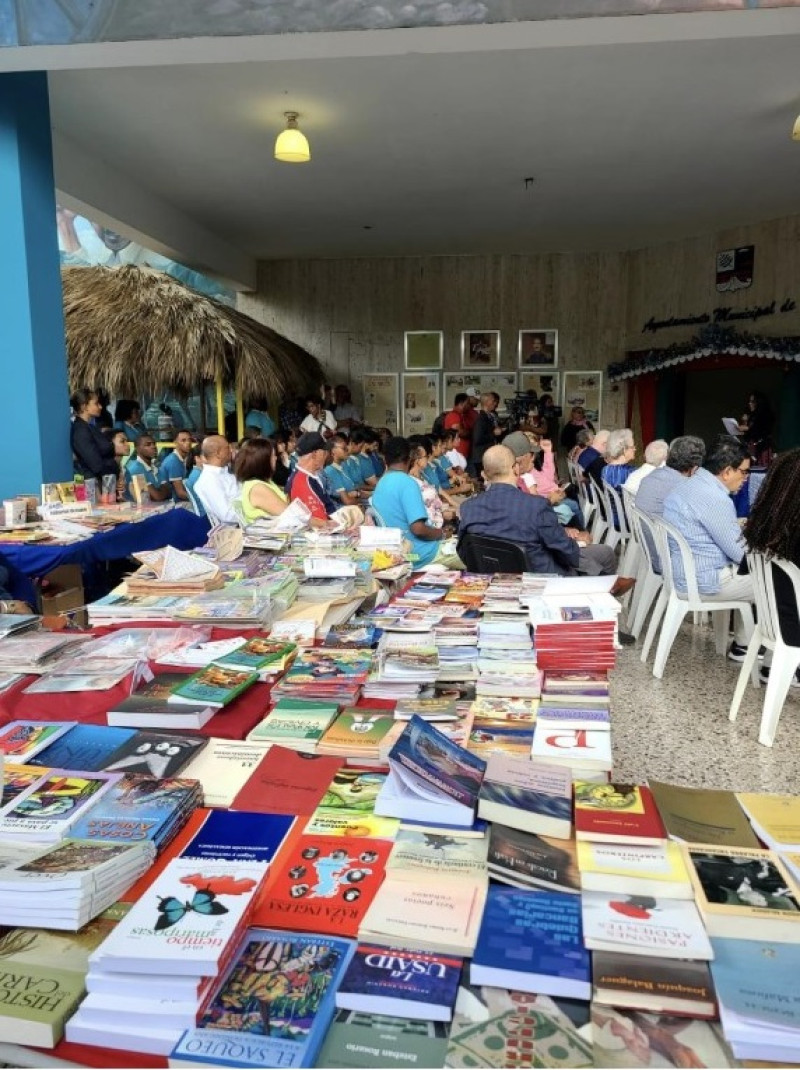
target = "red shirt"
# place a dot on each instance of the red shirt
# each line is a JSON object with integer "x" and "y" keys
{"x": 308, "y": 490}
{"x": 466, "y": 421}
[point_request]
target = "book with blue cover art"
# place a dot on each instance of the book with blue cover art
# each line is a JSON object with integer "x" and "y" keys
{"x": 239, "y": 836}
{"x": 139, "y": 807}
{"x": 272, "y": 1006}
{"x": 401, "y": 981}
{"x": 431, "y": 778}
{"x": 532, "y": 942}
{"x": 86, "y": 746}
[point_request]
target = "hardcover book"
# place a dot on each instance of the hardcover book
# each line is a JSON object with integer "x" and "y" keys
{"x": 531, "y": 941}
{"x": 215, "y": 685}
{"x": 401, "y": 981}
{"x": 325, "y": 884}
{"x": 273, "y": 1005}
{"x": 431, "y": 778}
{"x": 617, "y": 813}
{"x": 665, "y": 928}
{"x": 702, "y": 815}
{"x": 531, "y": 796}
{"x": 523, "y": 859}
{"x": 744, "y": 894}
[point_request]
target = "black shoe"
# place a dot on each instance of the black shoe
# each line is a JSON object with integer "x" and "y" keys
{"x": 736, "y": 652}
{"x": 625, "y": 638}
{"x": 763, "y": 675}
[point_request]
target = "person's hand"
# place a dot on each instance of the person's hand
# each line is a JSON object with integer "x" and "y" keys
{"x": 555, "y": 497}
{"x": 498, "y": 431}
{"x": 546, "y": 445}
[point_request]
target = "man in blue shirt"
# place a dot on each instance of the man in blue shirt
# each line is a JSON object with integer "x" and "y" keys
{"x": 359, "y": 466}
{"x": 702, "y": 510}
{"x": 505, "y": 512}
{"x": 143, "y": 464}
{"x": 685, "y": 456}
{"x": 173, "y": 469}
{"x": 398, "y": 502}
{"x": 259, "y": 417}
{"x": 337, "y": 478}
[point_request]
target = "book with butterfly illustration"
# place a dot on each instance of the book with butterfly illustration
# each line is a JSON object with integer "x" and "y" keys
{"x": 185, "y": 921}
{"x": 272, "y": 1006}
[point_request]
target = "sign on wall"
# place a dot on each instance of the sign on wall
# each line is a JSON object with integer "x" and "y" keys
{"x": 420, "y": 402}
{"x": 735, "y": 268}
{"x": 586, "y": 389}
{"x": 381, "y": 402}
{"x": 502, "y": 383}
{"x": 540, "y": 383}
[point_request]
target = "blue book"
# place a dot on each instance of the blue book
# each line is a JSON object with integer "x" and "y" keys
{"x": 401, "y": 982}
{"x": 532, "y": 942}
{"x": 272, "y": 1006}
{"x": 239, "y": 836}
{"x": 86, "y": 746}
{"x": 431, "y": 778}
{"x": 139, "y": 808}
{"x": 756, "y": 980}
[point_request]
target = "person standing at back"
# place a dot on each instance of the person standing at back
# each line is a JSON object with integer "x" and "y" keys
{"x": 487, "y": 431}
{"x": 319, "y": 420}
{"x": 92, "y": 451}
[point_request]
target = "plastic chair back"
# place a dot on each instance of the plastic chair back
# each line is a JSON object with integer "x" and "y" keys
{"x": 667, "y": 534}
{"x": 649, "y": 538}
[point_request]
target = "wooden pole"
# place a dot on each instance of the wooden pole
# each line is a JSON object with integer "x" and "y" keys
{"x": 220, "y": 407}
{"x": 239, "y": 413}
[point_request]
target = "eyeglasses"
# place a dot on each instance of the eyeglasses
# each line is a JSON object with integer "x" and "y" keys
{"x": 743, "y": 471}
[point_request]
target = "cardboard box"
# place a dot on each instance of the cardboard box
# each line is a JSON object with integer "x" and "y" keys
{"x": 64, "y": 594}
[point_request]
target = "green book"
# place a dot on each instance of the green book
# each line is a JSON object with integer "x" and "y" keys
{"x": 702, "y": 815}
{"x": 296, "y": 726}
{"x": 215, "y": 685}
{"x": 257, "y": 654}
{"x": 361, "y": 1040}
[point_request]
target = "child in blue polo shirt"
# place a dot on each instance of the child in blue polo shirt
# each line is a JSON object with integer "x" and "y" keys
{"x": 338, "y": 480}
{"x": 143, "y": 464}
{"x": 360, "y": 467}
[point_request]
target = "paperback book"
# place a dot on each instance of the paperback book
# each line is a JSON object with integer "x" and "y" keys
{"x": 658, "y": 870}
{"x": 702, "y": 815}
{"x": 525, "y": 860}
{"x": 360, "y": 1041}
{"x": 149, "y": 706}
{"x": 664, "y": 928}
{"x": 444, "y": 919}
{"x": 48, "y": 808}
{"x": 158, "y": 754}
{"x": 216, "y": 685}
{"x": 400, "y": 981}
{"x": 617, "y": 813}
{"x": 261, "y": 655}
{"x": 21, "y": 740}
{"x": 84, "y": 746}
{"x": 661, "y": 986}
{"x": 530, "y": 796}
{"x": 421, "y": 856}
{"x": 633, "y": 1038}
{"x": 140, "y": 807}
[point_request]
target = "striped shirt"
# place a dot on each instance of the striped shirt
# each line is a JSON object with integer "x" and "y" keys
{"x": 703, "y": 511}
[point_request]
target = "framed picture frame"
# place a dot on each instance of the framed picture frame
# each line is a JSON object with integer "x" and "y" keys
{"x": 480, "y": 350}
{"x": 586, "y": 389}
{"x": 421, "y": 402}
{"x": 423, "y": 350}
{"x": 503, "y": 383}
{"x": 540, "y": 383}
{"x": 537, "y": 347}
{"x": 382, "y": 400}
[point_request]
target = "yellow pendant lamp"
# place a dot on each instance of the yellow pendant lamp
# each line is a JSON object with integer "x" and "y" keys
{"x": 291, "y": 145}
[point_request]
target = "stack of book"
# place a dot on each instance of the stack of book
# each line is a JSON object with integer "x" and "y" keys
{"x": 46, "y": 810}
{"x": 295, "y": 723}
{"x": 407, "y": 660}
{"x": 575, "y": 700}
{"x": 65, "y": 886}
{"x": 163, "y": 958}
{"x": 216, "y": 686}
{"x": 575, "y": 632}
{"x": 149, "y": 706}
{"x": 584, "y": 751}
{"x": 358, "y": 634}
{"x": 326, "y": 673}
{"x": 140, "y": 807}
{"x": 326, "y": 589}
{"x": 265, "y": 656}
{"x": 35, "y": 652}
{"x": 13, "y": 623}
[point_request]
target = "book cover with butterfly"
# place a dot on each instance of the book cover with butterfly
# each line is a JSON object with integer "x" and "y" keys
{"x": 273, "y": 1005}
{"x": 184, "y": 923}
{"x": 325, "y": 884}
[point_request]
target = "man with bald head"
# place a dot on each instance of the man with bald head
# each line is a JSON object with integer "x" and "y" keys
{"x": 505, "y": 512}
{"x": 216, "y": 486}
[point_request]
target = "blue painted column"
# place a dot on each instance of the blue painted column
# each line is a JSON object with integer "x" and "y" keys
{"x": 34, "y": 429}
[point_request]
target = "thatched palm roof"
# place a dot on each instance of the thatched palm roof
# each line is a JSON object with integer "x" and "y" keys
{"x": 132, "y": 330}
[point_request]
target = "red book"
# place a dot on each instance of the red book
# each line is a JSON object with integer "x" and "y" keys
{"x": 285, "y": 782}
{"x": 617, "y": 813}
{"x": 324, "y": 885}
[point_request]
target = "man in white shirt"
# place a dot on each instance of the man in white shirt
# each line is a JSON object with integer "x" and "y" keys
{"x": 216, "y": 486}
{"x": 319, "y": 420}
{"x": 655, "y": 456}
{"x": 347, "y": 415}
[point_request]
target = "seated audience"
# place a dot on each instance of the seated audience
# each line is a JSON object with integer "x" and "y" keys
{"x": 143, "y": 463}
{"x": 438, "y": 512}
{"x": 546, "y": 480}
{"x": 686, "y": 454}
{"x": 128, "y": 418}
{"x": 583, "y": 440}
{"x": 655, "y": 456}
{"x": 593, "y": 458}
{"x": 174, "y": 467}
{"x": 773, "y": 529}
{"x": 285, "y": 443}
{"x": 338, "y": 478}
{"x": 306, "y": 483}
{"x": 216, "y": 487}
{"x": 259, "y": 418}
{"x": 254, "y": 469}
{"x": 399, "y": 503}
{"x": 505, "y": 512}
{"x": 319, "y": 420}
{"x": 359, "y": 464}
{"x": 576, "y": 424}
{"x": 121, "y": 454}
{"x": 620, "y": 451}
{"x": 702, "y": 510}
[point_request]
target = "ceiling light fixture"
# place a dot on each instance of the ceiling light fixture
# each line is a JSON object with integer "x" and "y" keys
{"x": 291, "y": 145}
{"x": 796, "y": 129}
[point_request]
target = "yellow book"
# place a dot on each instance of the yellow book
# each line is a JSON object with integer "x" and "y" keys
{"x": 351, "y": 823}
{"x": 775, "y": 818}
{"x": 637, "y": 869}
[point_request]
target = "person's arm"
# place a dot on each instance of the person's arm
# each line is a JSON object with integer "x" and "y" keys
{"x": 423, "y": 530}
{"x": 564, "y": 549}
{"x": 264, "y": 498}
{"x": 180, "y": 490}
{"x": 158, "y": 492}
{"x": 86, "y": 449}
{"x": 724, "y": 529}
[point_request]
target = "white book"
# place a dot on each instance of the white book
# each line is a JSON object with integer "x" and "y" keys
{"x": 150, "y": 1040}
{"x": 664, "y": 928}
{"x": 122, "y": 1011}
{"x": 576, "y": 748}
{"x": 223, "y": 767}
{"x": 185, "y": 921}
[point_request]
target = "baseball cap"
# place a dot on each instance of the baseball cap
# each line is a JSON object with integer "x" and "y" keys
{"x": 309, "y": 442}
{"x": 519, "y": 443}
{"x": 472, "y": 392}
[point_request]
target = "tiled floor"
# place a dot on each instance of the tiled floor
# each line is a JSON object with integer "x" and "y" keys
{"x": 677, "y": 728}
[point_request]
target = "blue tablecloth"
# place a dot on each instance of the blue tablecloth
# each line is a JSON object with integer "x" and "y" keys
{"x": 176, "y": 527}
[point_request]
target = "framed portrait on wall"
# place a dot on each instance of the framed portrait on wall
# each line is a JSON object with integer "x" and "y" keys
{"x": 537, "y": 348}
{"x": 420, "y": 403}
{"x": 540, "y": 383}
{"x": 423, "y": 350}
{"x": 586, "y": 389}
{"x": 381, "y": 402}
{"x": 480, "y": 350}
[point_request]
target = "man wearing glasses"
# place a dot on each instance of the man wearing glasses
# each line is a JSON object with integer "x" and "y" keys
{"x": 702, "y": 509}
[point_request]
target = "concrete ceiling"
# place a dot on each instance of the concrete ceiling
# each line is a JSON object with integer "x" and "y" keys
{"x": 628, "y": 144}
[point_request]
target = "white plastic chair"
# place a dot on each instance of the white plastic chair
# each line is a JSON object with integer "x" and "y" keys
{"x": 678, "y": 604}
{"x": 649, "y": 580}
{"x": 618, "y": 530}
{"x": 599, "y": 526}
{"x": 767, "y": 633}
